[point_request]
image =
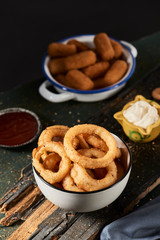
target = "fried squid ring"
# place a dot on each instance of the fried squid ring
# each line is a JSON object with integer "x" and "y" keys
{"x": 82, "y": 141}
{"x": 118, "y": 153}
{"x": 92, "y": 152}
{"x": 84, "y": 181}
{"x": 51, "y": 161}
{"x": 64, "y": 166}
{"x": 84, "y": 161}
{"x": 69, "y": 184}
{"x": 50, "y": 132}
{"x": 120, "y": 169}
{"x": 96, "y": 142}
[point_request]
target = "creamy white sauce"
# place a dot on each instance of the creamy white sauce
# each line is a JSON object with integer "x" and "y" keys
{"x": 141, "y": 114}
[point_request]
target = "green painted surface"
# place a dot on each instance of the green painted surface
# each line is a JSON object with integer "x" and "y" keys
{"x": 67, "y": 113}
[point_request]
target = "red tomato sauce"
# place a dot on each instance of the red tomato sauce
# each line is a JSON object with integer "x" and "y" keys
{"x": 17, "y": 128}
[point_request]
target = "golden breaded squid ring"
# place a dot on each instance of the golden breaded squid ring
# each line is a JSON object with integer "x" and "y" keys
{"x": 64, "y": 166}
{"x": 96, "y": 142}
{"x": 50, "y": 160}
{"x": 86, "y": 161}
{"x": 85, "y": 181}
{"x": 69, "y": 184}
{"x": 82, "y": 141}
{"x": 92, "y": 152}
{"x": 50, "y": 132}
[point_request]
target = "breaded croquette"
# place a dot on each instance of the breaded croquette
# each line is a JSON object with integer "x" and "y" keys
{"x": 79, "y": 80}
{"x": 99, "y": 83}
{"x": 117, "y": 48}
{"x": 80, "y": 45}
{"x": 61, "y": 50}
{"x": 77, "y": 65}
{"x": 76, "y": 61}
{"x": 80, "y": 60}
{"x": 96, "y": 70}
{"x": 62, "y": 79}
{"x": 104, "y": 46}
{"x": 116, "y": 72}
{"x": 56, "y": 65}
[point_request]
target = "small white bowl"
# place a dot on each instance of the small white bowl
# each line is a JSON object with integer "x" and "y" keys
{"x": 66, "y": 93}
{"x": 88, "y": 201}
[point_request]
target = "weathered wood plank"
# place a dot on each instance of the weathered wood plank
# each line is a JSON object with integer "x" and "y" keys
{"x": 22, "y": 199}
{"x": 24, "y": 205}
{"x": 31, "y": 224}
{"x": 55, "y": 225}
{"x": 25, "y": 182}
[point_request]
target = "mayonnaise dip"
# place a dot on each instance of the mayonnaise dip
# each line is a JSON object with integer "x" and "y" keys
{"x": 141, "y": 114}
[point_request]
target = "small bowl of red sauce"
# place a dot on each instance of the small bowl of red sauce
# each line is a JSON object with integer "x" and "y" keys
{"x": 18, "y": 127}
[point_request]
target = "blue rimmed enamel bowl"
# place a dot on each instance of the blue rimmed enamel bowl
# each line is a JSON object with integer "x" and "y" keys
{"x": 65, "y": 93}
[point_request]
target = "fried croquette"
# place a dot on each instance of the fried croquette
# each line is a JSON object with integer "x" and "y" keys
{"x": 80, "y": 60}
{"x": 61, "y": 50}
{"x": 79, "y": 80}
{"x": 99, "y": 83}
{"x": 117, "y": 48}
{"x": 56, "y": 65}
{"x": 80, "y": 45}
{"x": 104, "y": 46}
{"x": 62, "y": 79}
{"x": 116, "y": 72}
{"x": 76, "y": 61}
{"x": 96, "y": 70}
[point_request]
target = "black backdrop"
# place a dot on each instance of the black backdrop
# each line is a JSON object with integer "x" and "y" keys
{"x": 27, "y": 27}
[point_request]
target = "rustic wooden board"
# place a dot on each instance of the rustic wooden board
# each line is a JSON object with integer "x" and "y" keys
{"x": 145, "y": 177}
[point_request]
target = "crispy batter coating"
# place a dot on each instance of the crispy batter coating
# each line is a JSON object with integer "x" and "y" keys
{"x": 69, "y": 184}
{"x": 96, "y": 70}
{"x": 104, "y": 46}
{"x": 85, "y": 181}
{"x": 57, "y": 66}
{"x": 80, "y": 60}
{"x": 79, "y": 80}
{"x": 61, "y": 50}
{"x": 80, "y": 45}
{"x": 97, "y": 142}
{"x": 116, "y": 72}
{"x": 99, "y": 83}
{"x": 62, "y": 79}
{"x": 76, "y": 61}
{"x": 117, "y": 48}
{"x": 85, "y": 161}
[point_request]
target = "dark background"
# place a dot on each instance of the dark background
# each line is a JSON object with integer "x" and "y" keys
{"x": 27, "y": 27}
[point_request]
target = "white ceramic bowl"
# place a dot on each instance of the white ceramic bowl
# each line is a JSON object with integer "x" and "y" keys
{"x": 66, "y": 93}
{"x": 88, "y": 201}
